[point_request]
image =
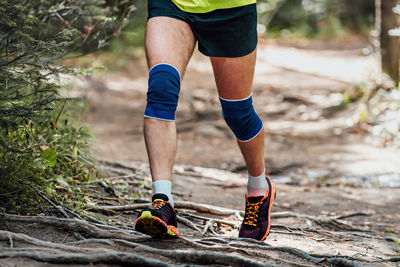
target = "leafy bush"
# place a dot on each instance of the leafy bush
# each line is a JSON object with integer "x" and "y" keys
{"x": 41, "y": 146}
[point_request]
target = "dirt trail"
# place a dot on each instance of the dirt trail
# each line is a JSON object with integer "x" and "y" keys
{"x": 322, "y": 165}
{"x": 338, "y": 189}
{"x": 297, "y": 93}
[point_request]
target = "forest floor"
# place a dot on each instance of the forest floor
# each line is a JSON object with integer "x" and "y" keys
{"x": 338, "y": 186}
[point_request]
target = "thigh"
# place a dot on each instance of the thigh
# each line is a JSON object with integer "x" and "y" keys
{"x": 169, "y": 40}
{"x": 234, "y": 76}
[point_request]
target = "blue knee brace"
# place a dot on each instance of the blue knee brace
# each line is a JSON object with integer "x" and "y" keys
{"x": 241, "y": 118}
{"x": 163, "y": 92}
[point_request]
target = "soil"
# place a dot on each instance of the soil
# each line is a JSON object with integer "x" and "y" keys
{"x": 322, "y": 163}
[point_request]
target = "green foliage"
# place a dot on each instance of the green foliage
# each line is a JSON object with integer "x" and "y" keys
{"x": 313, "y": 18}
{"x": 129, "y": 43}
{"x": 50, "y": 157}
{"x": 41, "y": 145}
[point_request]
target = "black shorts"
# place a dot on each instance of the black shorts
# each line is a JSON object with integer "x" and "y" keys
{"x": 230, "y": 32}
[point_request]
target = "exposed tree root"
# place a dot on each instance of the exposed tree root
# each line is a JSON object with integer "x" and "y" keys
{"x": 387, "y": 238}
{"x": 178, "y": 204}
{"x": 108, "y": 209}
{"x": 210, "y": 250}
{"x": 333, "y": 260}
{"x": 76, "y": 225}
{"x": 104, "y": 255}
{"x": 69, "y": 258}
{"x": 394, "y": 259}
{"x": 188, "y": 223}
{"x": 103, "y": 241}
{"x": 328, "y": 222}
{"x": 196, "y": 216}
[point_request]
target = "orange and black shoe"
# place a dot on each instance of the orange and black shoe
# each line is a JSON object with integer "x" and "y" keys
{"x": 158, "y": 221}
{"x": 257, "y": 218}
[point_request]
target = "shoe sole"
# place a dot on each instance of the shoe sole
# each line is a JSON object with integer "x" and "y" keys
{"x": 273, "y": 197}
{"x": 155, "y": 227}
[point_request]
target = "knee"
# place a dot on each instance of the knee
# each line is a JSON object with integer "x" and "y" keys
{"x": 163, "y": 92}
{"x": 241, "y": 118}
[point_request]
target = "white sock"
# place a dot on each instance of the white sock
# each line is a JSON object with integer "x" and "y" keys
{"x": 257, "y": 185}
{"x": 163, "y": 187}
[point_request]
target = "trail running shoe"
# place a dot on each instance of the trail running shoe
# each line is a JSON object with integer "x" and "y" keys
{"x": 257, "y": 218}
{"x": 158, "y": 221}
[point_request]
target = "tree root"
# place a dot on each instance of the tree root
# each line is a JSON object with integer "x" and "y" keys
{"x": 333, "y": 260}
{"x": 6, "y": 235}
{"x": 329, "y": 222}
{"x": 187, "y": 223}
{"x": 103, "y": 255}
{"x": 70, "y": 258}
{"x": 76, "y": 225}
{"x": 108, "y": 209}
{"x": 228, "y": 223}
{"x": 208, "y": 227}
{"x": 212, "y": 248}
{"x": 204, "y": 208}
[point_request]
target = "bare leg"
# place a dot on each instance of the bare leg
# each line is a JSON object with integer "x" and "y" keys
{"x": 234, "y": 79}
{"x": 169, "y": 41}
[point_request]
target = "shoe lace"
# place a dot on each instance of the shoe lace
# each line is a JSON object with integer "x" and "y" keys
{"x": 158, "y": 203}
{"x": 252, "y": 213}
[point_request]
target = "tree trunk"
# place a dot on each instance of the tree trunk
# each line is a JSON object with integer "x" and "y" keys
{"x": 390, "y": 48}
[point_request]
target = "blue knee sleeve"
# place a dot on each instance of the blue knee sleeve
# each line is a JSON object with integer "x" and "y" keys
{"x": 241, "y": 118}
{"x": 163, "y": 92}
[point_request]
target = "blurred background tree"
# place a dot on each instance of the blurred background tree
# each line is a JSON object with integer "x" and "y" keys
{"x": 336, "y": 18}
{"x": 387, "y": 20}
{"x": 313, "y": 18}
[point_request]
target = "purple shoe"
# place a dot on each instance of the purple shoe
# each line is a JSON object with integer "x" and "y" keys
{"x": 158, "y": 221}
{"x": 257, "y": 217}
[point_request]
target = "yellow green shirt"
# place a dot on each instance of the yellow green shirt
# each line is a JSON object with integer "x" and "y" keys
{"x": 204, "y": 6}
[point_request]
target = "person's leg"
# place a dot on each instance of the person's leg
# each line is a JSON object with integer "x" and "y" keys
{"x": 169, "y": 46}
{"x": 168, "y": 41}
{"x": 234, "y": 79}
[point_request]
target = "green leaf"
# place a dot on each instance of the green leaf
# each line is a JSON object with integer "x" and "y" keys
{"x": 61, "y": 181}
{"x": 50, "y": 156}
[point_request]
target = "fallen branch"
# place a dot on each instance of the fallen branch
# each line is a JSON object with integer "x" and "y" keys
{"x": 58, "y": 207}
